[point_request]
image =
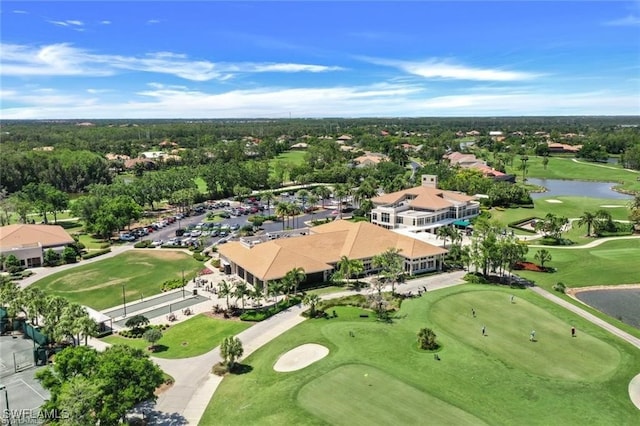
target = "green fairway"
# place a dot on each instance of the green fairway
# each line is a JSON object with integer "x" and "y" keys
{"x": 99, "y": 284}
{"x": 284, "y": 161}
{"x": 503, "y": 379}
{"x": 202, "y": 185}
{"x": 196, "y": 336}
{"x": 566, "y": 168}
{"x": 359, "y": 395}
{"x": 610, "y": 263}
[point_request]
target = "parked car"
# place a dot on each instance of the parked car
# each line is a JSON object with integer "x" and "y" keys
{"x": 157, "y": 243}
{"x": 127, "y": 237}
{"x": 179, "y": 232}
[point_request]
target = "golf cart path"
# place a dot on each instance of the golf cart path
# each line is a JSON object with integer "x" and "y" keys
{"x": 194, "y": 384}
{"x": 603, "y": 166}
{"x": 591, "y": 244}
{"x": 634, "y": 385}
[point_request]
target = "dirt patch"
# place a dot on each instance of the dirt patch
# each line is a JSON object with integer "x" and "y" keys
{"x": 574, "y": 290}
{"x": 221, "y": 317}
{"x": 529, "y": 266}
{"x": 164, "y": 254}
{"x": 554, "y": 201}
{"x": 162, "y": 388}
{"x": 300, "y": 357}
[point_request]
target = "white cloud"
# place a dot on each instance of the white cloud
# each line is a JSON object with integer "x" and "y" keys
{"x": 627, "y": 21}
{"x": 20, "y": 12}
{"x": 381, "y": 100}
{"x": 153, "y": 21}
{"x": 65, "y": 59}
{"x": 439, "y": 69}
{"x": 105, "y": 22}
{"x": 68, "y": 23}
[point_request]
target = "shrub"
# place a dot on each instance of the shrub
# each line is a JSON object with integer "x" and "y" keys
{"x": 199, "y": 257}
{"x": 427, "y": 339}
{"x": 475, "y": 278}
{"x": 215, "y": 263}
{"x": 262, "y": 314}
{"x": 142, "y": 244}
{"x": 96, "y": 253}
{"x": 171, "y": 246}
{"x": 105, "y": 245}
{"x": 172, "y": 284}
{"x": 560, "y": 287}
{"x": 220, "y": 369}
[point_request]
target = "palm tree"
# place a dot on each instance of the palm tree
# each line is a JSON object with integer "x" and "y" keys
{"x": 294, "y": 211}
{"x": 303, "y": 195}
{"x": 543, "y": 256}
{"x": 225, "y": 290}
{"x": 281, "y": 211}
{"x": 524, "y": 167}
{"x": 274, "y": 288}
{"x": 391, "y": 265}
{"x": 322, "y": 192}
{"x": 312, "y": 301}
{"x": 296, "y": 276}
{"x": 340, "y": 191}
{"x": 240, "y": 292}
{"x": 231, "y": 350}
{"x": 86, "y": 327}
{"x": 443, "y": 232}
{"x": 349, "y": 267}
{"x": 587, "y": 218}
{"x": 267, "y": 197}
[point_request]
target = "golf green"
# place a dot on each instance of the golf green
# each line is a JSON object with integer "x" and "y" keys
{"x": 502, "y": 378}
{"x": 359, "y": 395}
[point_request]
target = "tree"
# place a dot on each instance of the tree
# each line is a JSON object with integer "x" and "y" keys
{"x": 70, "y": 255}
{"x": 136, "y": 322}
{"x": 296, "y": 276}
{"x": 77, "y": 398}
{"x": 12, "y": 264}
{"x": 427, "y": 339}
{"x": 524, "y": 167}
{"x": 545, "y": 161}
{"x": 322, "y": 192}
{"x": 347, "y": 268}
{"x": 240, "y": 292}
{"x": 51, "y": 258}
{"x": 543, "y": 256}
{"x": 267, "y": 197}
{"x": 340, "y": 191}
{"x": 225, "y": 290}
{"x": 587, "y": 218}
{"x": 152, "y": 335}
{"x": 391, "y": 265}
{"x": 231, "y": 350}
{"x": 312, "y": 301}
{"x": 303, "y": 195}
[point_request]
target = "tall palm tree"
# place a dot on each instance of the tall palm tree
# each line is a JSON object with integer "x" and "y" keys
{"x": 391, "y": 265}
{"x": 587, "y": 218}
{"x": 322, "y": 192}
{"x": 225, "y": 289}
{"x": 281, "y": 211}
{"x": 443, "y": 232}
{"x": 312, "y": 301}
{"x": 294, "y": 211}
{"x": 303, "y": 195}
{"x": 240, "y": 292}
{"x": 340, "y": 191}
{"x": 296, "y": 276}
{"x": 275, "y": 288}
{"x": 267, "y": 197}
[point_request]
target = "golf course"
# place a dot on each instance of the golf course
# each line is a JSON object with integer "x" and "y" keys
{"x": 376, "y": 374}
{"x": 100, "y": 284}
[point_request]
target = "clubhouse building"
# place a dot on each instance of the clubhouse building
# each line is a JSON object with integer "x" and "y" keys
{"x": 319, "y": 253}
{"x": 29, "y": 242}
{"x": 424, "y": 208}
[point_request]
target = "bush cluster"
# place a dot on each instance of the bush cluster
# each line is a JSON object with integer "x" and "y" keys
{"x": 171, "y": 246}
{"x": 142, "y": 244}
{"x": 257, "y": 315}
{"x": 137, "y": 333}
{"x": 96, "y": 253}
{"x": 172, "y": 284}
{"x": 475, "y": 278}
{"x": 560, "y": 287}
{"x": 199, "y": 257}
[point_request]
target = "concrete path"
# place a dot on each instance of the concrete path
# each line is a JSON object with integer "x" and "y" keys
{"x": 591, "y": 244}
{"x": 186, "y": 401}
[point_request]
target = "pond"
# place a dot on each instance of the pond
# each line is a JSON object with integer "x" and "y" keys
{"x": 557, "y": 187}
{"x": 622, "y": 304}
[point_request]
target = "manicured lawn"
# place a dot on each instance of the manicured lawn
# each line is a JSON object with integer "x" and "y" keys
{"x": 379, "y": 376}
{"x": 99, "y": 284}
{"x": 196, "y": 336}
{"x": 566, "y": 168}
{"x": 288, "y": 158}
{"x": 610, "y": 263}
{"x": 202, "y": 185}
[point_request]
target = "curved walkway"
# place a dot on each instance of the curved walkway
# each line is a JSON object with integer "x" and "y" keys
{"x": 195, "y": 385}
{"x": 591, "y": 244}
{"x": 603, "y": 166}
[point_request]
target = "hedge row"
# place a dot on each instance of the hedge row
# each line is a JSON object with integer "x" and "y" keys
{"x": 93, "y": 254}
{"x": 263, "y": 314}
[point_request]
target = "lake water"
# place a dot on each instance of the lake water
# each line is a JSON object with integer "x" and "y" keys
{"x": 557, "y": 187}
{"x": 622, "y": 304}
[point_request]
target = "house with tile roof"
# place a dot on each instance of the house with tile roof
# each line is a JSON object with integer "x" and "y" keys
{"x": 424, "y": 208}
{"x": 319, "y": 252}
{"x": 29, "y": 242}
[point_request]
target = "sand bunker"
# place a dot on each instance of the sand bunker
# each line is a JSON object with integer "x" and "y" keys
{"x": 301, "y": 357}
{"x": 634, "y": 391}
{"x": 611, "y": 206}
{"x": 554, "y": 201}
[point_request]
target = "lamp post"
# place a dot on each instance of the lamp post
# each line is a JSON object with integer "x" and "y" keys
{"x": 124, "y": 301}
{"x": 6, "y": 400}
{"x": 183, "y": 283}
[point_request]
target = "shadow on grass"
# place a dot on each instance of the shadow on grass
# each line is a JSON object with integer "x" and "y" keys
{"x": 242, "y": 369}
{"x": 159, "y": 348}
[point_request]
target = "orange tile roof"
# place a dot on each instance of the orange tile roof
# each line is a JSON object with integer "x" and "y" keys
{"x": 323, "y": 249}
{"x": 425, "y": 198}
{"x": 20, "y": 235}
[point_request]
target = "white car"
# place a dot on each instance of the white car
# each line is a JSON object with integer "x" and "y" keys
{"x": 157, "y": 243}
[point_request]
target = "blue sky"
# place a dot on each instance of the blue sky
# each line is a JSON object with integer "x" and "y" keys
{"x": 213, "y": 59}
